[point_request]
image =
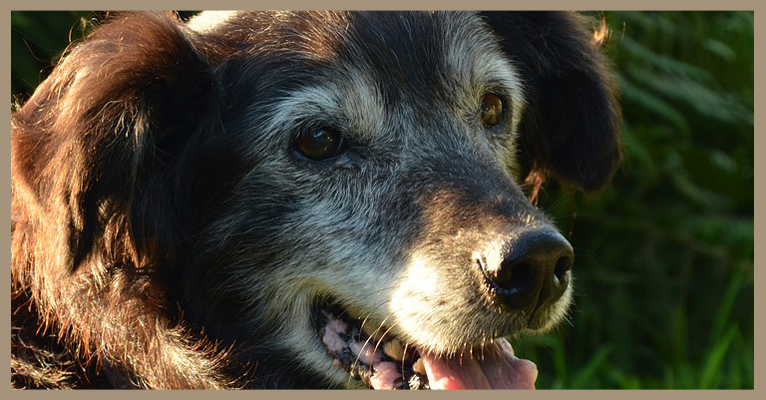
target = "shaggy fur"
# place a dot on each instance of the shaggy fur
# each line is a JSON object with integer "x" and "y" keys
{"x": 166, "y": 235}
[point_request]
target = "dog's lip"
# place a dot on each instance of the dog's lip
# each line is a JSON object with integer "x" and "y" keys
{"x": 367, "y": 356}
{"x": 496, "y": 368}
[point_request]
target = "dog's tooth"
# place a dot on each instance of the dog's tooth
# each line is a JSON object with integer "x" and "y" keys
{"x": 418, "y": 382}
{"x": 394, "y": 349}
{"x": 418, "y": 366}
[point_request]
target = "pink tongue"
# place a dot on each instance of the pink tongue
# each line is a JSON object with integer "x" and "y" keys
{"x": 500, "y": 369}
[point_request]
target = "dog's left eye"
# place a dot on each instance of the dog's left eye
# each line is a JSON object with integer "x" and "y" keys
{"x": 491, "y": 110}
{"x": 319, "y": 144}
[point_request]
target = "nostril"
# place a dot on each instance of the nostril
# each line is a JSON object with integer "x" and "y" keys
{"x": 515, "y": 282}
{"x": 563, "y": 265}
{"x": 514, "y": 277}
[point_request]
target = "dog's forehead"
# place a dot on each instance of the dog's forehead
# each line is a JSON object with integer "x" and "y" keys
{"x": 421, "y": 50}
{"x": 377, "y": 63}
{"x": 326, "y": 34}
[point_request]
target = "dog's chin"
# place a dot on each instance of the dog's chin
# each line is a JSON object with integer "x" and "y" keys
{"x": 363, "y": 353}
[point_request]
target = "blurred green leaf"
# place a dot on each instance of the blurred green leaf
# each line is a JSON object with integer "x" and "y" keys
{"x": 713, "y": 364}
{"x": 585, "y": 376}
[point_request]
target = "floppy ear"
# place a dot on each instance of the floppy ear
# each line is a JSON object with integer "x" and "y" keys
{"x": 96, "y": 148}
{"x": 570, "y": 126}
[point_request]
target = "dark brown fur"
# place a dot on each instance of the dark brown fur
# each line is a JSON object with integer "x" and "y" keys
{"x": 90, "y": 231}
{"x": 118, "y": 151}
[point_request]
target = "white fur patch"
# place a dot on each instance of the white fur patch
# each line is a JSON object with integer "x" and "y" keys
{"x": 207, "y": 21}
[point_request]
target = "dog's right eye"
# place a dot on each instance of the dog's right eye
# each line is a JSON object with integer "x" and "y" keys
{"x": 319, "y": 144}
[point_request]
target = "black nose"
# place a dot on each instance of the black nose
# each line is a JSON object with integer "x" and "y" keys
{"x": 534, "y": 270}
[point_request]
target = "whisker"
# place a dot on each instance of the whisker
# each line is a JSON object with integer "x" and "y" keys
{"x": 404, "y": 354}
{"x": 383, "y": 336}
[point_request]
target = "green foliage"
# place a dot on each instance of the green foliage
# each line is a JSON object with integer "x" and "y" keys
{"x": 664, "y": 271}
{"x": 37, "y": 38}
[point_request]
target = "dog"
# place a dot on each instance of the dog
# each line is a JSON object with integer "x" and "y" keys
{"x": 301, "y": 199}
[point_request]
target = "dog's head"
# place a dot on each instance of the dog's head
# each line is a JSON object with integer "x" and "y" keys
{"x": 292, "y": 179}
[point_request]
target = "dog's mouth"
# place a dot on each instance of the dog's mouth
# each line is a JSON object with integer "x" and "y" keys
{"x": 370, "y": 354}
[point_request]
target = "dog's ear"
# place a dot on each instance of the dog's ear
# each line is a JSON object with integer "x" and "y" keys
{"x": 570, "y": 126}
{"x": 97, "y": 148}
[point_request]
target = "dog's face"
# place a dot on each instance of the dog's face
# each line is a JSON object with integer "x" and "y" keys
{"x": 385, "y": 185}
{"x": 362, "y": 178}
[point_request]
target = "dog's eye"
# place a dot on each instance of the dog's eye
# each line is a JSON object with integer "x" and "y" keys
{"x": 320, "y": 144}
{"x": 491, "y": 110}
